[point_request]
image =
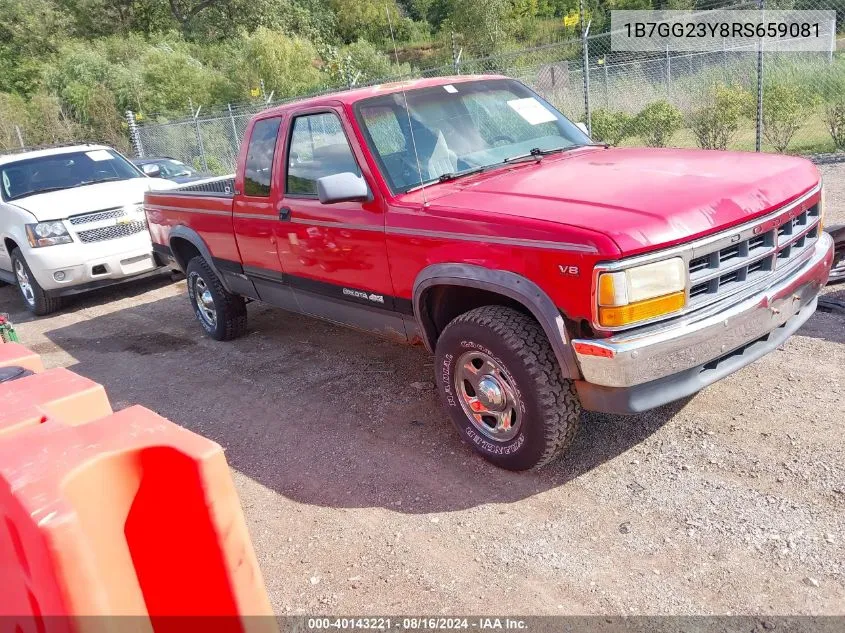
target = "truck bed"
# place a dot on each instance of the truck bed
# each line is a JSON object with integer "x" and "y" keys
{"x": 203, "y": 207}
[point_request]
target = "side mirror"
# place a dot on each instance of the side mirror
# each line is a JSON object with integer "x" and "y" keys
{"x": 583, "y": 127}
{"x": 343, "y": 187}
{"x": 152, "y": 170}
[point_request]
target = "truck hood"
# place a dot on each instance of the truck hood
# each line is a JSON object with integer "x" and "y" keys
{"x": 58, "y": 205}
{"x": 643, "y": 199}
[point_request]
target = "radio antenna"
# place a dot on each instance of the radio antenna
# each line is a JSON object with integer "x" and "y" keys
{"x": 407, "y": 109}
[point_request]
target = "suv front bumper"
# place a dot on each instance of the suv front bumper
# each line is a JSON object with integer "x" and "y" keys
{"x": 643, "y": 370}
{"x": 88, "y": 266}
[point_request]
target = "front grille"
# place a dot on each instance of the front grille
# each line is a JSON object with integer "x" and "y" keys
{"x": 112, "y": 232}
{"x": 720, "y": 269}
{"x": 97, "y": 216}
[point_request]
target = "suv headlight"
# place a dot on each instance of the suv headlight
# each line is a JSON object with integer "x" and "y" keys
{"x": 47, "y": 234}
{"x": 641, "y": 293}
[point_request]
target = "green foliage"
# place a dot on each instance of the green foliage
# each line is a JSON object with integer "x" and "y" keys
{"x": 360, "y": 62}
{"x": 715, "y": 124}
{"x": 287, "y": 65}
{"x": 368, "y": 19}
{"x": 784, "y": 109}
{"x": 834, "y": 118}
{"x": 657, "y": 123}
{"x": 611, "y": 126}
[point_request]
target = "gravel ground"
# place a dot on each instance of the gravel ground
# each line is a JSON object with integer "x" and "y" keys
{"x": 361, "y": 499}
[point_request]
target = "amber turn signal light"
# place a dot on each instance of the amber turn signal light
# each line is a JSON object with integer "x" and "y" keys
{"x": 641, "y": 310}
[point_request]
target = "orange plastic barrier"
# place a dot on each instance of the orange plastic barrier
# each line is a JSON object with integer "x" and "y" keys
{"x": 17, "y": 354}
{"x": 116, "y": 514}
{"x": 58, "y": 392}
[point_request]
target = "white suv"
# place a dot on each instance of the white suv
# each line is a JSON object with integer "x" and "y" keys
{"x": 72, "y": 219}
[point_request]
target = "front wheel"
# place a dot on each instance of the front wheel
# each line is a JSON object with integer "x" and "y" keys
{"x": 221, "y": 314}
{"x": 37, "y": 301}
{"x": 502, "y": 386}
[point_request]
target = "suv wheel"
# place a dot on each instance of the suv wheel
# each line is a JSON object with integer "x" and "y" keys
{"x": 502, "y": 386}
{"x": 221, "y": 314}
{"x": 36, "y": 300}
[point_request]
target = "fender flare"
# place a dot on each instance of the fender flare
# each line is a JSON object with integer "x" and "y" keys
{"x": 190, "y": 235}
{"x": 506, "y": 283}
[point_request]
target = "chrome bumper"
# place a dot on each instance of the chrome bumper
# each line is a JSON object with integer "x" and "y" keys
{"x": 632, "y": 359}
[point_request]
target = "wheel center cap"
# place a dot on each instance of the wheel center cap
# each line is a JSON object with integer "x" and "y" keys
{"x": 491, "y": 394}
{"x": 206, "y": 299}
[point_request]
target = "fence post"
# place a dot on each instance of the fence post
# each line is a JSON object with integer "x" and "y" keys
{"x": 758, "y": 142}
{"x": 235, "y": 136}
{"x": 456, "y": 54}
{"x": 134, "y": 134}
{"x": 199, "y": 139}
{"x": 585, "y": 71}
{"x": 668, "y": 74}
{"x": 20, "y": 137}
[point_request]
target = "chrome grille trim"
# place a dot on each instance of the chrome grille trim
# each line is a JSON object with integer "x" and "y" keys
{"x": 738, "y": 261}
{"x": 97, "y": 216}
{"x": 111, "y": 232}
{"x": 710, "y": 247}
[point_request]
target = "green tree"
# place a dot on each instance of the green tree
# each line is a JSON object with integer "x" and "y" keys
{"x": 716, "y": 123}
{"x": 611, "y": 126}
{"x": 657, "y": 123}
{"x": 287, "y": 65}
{"x": 784, "y": 109}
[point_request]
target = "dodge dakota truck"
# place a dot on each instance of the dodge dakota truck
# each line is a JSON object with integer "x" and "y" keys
{"x": 545, "y": 272}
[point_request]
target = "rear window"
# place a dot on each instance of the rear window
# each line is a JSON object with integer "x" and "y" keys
{"x": 258, "y": 174}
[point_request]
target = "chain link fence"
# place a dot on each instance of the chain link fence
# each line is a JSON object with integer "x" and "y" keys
{"x": 738, "y": 98}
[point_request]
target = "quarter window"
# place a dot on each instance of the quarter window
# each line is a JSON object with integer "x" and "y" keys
{"x": 318, "y": 147}
{"x": 259, "y": 158}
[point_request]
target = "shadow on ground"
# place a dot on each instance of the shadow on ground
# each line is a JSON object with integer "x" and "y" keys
{"x": 321, "y": 414}
{"x": 828, "y": 324}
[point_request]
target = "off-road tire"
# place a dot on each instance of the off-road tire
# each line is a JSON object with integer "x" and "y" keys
{"x": 517, "y": 343}
{"x": 231, "y": 321}
{"x": 43, "y": 304}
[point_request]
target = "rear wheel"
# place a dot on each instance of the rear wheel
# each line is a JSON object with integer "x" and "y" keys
{"x": 221, "y": 314}
{"x": 502, "y": 386}
{"x": 36, "y": 300}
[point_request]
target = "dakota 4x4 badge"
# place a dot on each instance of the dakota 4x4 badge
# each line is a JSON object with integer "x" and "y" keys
{"x": 360, "y": 294}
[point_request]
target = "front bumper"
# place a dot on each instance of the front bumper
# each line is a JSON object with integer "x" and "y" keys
{"x": 643, "y": 370}
{"x": 91, "y": 265}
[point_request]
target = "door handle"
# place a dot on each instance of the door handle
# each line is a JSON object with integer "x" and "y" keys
{"x": 284, "y": 214}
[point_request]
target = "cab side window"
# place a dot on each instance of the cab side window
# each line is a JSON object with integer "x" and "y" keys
{"x": 318, "y": 147}
{"x": 259, "y": 158}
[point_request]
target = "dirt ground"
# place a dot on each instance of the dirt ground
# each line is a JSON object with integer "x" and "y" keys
{"x": 361, "y": 500}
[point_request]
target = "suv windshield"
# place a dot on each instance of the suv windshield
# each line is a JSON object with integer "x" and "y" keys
{"x": 63, "y": 171}
{"x": 461, "y": 127}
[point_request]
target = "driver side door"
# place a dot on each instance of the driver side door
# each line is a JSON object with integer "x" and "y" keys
{"x": 334, "y": 255}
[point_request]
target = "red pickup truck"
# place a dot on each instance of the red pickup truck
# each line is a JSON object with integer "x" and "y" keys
{"x": 546, "y": 273}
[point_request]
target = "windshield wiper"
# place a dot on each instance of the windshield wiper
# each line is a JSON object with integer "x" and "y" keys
{"x": 35, "y": 193}
{"x": 85, "y": 183}
{"x": 450, "y": 175}
{"x": 537, "y": 153}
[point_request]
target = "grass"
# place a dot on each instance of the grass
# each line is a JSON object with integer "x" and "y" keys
{"x": 811, "y": 138}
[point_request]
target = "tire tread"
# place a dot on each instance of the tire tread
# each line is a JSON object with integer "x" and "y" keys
{"x": 232, "y": 313}
{"x": 524, "y": 336}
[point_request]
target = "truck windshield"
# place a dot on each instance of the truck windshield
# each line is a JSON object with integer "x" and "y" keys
{"x": 459, "y": 128}
{"x": 63, "y": 171}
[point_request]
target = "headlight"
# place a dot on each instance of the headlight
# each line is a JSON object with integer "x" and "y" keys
{"x": 47, "y": 234}
{"x": 641, "y": 293}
